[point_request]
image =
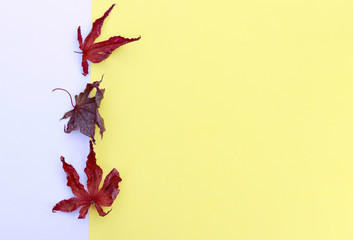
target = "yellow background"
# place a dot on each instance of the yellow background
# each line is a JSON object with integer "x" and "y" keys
{"x": 228, "y": 120}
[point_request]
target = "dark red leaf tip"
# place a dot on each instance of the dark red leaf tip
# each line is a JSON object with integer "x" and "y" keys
{"x": 91, "y": 145}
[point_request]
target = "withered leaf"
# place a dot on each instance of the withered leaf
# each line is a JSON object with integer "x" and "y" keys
{"x": 84, "y": 199}
{"x": 85, "y": 114}
{"x": 97, "y": 52}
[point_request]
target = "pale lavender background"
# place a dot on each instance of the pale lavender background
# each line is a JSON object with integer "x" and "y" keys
{"x": 37, "y": 41}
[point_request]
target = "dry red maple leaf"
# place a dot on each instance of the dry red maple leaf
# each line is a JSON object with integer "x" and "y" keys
{"x": 97, "y": 52}
{"x": 85, "y": 114}
{"x": 84, "y": 199}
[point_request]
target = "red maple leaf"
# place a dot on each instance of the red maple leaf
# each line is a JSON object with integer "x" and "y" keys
{"x": 85, "y": 115}
{"x": 97, "y": 52}
{"x": 84, "y": 199}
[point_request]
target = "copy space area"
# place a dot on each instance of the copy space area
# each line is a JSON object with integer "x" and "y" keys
{"x": 228, "y": 120}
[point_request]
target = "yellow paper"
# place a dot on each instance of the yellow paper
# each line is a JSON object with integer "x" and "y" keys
{"x": 228, "y": 120}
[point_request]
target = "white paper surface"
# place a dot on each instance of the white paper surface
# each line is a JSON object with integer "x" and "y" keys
{"x": 37, "y": 41}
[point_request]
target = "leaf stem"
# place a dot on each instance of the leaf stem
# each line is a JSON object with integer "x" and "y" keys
{"x": 67, "y": 93}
